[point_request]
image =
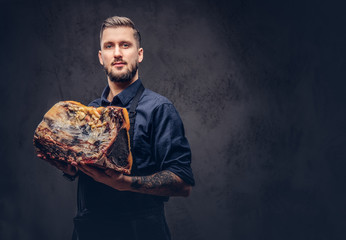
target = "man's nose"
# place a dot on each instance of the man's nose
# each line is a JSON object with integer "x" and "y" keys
{"x": 117, "y": 51}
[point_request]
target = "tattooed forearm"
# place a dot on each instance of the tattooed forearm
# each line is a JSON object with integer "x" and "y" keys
{"x": 163, "y": 183}
{"x": 161, "y": 179}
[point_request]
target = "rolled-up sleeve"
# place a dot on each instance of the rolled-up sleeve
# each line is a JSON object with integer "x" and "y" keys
{"x": 170, "y": 144}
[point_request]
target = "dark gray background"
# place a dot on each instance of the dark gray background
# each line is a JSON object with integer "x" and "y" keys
{"x": 260, "y": 86}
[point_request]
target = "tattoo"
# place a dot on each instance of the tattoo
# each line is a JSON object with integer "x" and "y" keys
{"x": 135, "y": 183}
{"x": 157, "y": 181}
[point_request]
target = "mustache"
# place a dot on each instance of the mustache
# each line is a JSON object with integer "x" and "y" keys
{"x": 118, "y": 60}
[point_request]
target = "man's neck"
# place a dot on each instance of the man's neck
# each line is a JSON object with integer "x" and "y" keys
{"x": 118, "y": 87}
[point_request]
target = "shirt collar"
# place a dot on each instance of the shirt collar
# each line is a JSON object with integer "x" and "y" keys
{"x": 124, "y": 97}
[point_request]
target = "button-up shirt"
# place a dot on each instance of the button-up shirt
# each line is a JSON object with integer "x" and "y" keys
{"x": 159, "y": 143}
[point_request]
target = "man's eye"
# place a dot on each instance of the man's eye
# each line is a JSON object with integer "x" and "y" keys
{"x": 126, "y": 45}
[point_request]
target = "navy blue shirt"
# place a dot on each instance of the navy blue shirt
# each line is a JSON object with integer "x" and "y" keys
{"x": 159, "y": 143}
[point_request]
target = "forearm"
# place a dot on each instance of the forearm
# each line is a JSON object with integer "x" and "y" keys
{"x": 164, "y": 183}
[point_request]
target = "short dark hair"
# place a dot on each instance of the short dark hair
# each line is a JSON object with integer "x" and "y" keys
{"x": 117, "y": 21}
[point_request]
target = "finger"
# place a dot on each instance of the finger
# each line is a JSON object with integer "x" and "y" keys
{"x": 70, "y": 166}
{"x": 74, "y": 163}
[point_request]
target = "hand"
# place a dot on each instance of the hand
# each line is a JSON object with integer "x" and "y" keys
{"x": 110, "y": 177}
{"x": 63, "y": 166}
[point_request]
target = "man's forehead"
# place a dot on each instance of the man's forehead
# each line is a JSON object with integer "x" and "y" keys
{"x": 118, "y": 32}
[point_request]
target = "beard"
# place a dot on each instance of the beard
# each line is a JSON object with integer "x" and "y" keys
{"x": 124, "y": 77}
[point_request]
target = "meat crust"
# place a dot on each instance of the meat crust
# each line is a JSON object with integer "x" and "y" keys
{"x": 98, "y": 136}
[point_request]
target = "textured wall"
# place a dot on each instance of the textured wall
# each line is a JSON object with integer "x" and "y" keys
{"x": 259, "y": 86}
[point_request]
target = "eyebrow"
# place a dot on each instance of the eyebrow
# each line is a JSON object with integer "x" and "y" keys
{"x": 106, "y": 43}
{"x": 127, "y": 42}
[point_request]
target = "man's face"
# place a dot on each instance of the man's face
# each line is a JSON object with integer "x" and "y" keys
{"x": 119, "y": 54}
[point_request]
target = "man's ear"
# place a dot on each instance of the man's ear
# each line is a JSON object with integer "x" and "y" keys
{"x": 140, "y": 55}
{"x": 100, "y": 57}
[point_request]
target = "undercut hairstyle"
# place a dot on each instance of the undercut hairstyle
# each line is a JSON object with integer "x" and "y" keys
{"x": 116, "y": 21}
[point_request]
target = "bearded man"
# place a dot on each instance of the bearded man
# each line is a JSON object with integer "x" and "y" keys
{"x": 112, "y": 205}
